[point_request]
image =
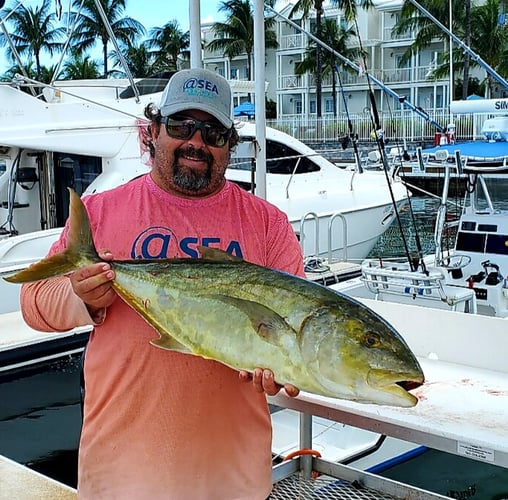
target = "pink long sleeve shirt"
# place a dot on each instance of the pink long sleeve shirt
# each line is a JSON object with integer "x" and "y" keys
{"x": 160, "y": 424}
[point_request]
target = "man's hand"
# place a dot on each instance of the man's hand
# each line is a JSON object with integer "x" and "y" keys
{"x": 263, "y": 381}
{"x": 92, "y": 284}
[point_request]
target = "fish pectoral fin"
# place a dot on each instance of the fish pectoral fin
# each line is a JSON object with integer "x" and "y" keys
{"x": 266, "y": 322}
{"x": 210, "y": 253}
{"x": 169, "y": 343}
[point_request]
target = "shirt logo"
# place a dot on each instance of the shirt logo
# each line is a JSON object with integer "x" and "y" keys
{"x": 160, "y": 242}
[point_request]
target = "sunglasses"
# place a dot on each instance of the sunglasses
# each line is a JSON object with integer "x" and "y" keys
{"x": 213, "y": 134}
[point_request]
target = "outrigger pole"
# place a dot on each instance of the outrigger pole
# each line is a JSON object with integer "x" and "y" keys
{"x": 416, "y": 109}
{"x": 471, "y": 53}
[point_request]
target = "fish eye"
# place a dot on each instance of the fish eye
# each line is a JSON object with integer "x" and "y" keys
{"x": 371, "y": 339}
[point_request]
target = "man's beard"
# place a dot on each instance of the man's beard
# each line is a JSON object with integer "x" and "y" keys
{"x": 189, "y": 179}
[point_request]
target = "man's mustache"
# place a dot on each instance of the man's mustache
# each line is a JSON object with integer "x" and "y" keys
{"x": 193, "y": 153}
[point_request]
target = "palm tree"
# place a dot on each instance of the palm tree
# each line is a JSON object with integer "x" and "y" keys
{"x": 488, "y": 37}
{"x": 139, "y": 61}
{"x": 350, "y": 11}
{"x": 350, "y": 7}
{"x": 236, "y": 35}
{"x": 81, "y": 68}
{"x": 32, "y": 32}
{"x": 304, "y": 6}
{"x": 336, "y": 38}
{"x": 412, "y": 20}
{"x": 167, "y": 44}
{"x": 90, "y": 27}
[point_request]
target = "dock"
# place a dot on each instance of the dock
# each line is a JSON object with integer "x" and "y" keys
{"x": 22, "y": 483}
{"x": 21, "y": 346}
{"x": 328, "y": 273}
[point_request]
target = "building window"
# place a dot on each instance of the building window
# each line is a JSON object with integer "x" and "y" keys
{"x": 298, "y": 107}
{"x": 234, "y": 74}
{"x": 312, "y": 106}
{"x": 329, "y": 105}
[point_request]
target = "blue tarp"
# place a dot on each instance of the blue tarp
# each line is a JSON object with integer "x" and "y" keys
{"x": 244, "y": 109}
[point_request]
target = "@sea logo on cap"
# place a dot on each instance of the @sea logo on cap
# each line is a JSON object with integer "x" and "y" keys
{"x": 200, "y": 87}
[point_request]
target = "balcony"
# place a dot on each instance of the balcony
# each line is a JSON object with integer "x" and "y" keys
{"x": 290, "y": 82}
{"x": 294, "y": 41}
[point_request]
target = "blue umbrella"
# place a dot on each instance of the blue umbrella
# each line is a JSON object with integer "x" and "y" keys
{"x": 244, "y": 109}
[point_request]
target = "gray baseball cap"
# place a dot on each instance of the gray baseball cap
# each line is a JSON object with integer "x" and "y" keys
{"x": 201, "y": 89}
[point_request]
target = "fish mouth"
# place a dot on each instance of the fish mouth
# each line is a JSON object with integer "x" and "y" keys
{"x": 397, "y": 384}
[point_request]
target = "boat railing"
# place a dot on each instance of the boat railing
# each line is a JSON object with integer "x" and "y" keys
{"x": 399, "y": 281}
{"x": 315, "y": 218}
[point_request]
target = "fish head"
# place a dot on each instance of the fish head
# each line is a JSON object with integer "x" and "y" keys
{"x": 355, "y": 354}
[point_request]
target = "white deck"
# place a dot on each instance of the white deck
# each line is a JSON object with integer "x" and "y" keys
{"x": 16, "y": 335}
{"x": 22, "y": 483}
{"x": 462, "y": 406}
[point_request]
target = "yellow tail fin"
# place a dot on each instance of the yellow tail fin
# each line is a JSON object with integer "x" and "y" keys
{"x": 80, "y": 249}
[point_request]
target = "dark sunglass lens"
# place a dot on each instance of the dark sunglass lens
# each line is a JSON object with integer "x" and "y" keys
{"x": 215, "y": 135}
{"x": 180, "y": 129}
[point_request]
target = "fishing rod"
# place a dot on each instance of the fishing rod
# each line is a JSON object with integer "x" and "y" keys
{"x": 352, "y": 137}
{"x": 380, "y": 141}
{"x": 471, "y": 53}
{"x": 416, "y": 109}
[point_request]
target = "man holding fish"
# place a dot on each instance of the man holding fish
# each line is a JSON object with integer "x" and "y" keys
{"x": 160, "y": 423}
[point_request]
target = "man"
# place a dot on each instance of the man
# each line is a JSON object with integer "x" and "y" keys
{"x": 161, "y": 424}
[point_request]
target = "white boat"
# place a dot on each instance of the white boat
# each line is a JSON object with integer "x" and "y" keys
{"x": 472, "y": 276}
{"x": 84, "y": 134}
{"x": 424, "y": 171}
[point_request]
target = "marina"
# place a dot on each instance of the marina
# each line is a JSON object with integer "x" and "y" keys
{"x": 86, "y": 135}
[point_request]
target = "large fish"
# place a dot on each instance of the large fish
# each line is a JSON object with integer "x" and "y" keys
{"x": 247, "y": 316}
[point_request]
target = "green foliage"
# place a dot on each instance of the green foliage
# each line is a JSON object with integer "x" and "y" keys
{"x": 236, "y": 35}
{"x": 168, "y": 43}
{"x": 90, "y": 28}
{"x": 32, "y": 31}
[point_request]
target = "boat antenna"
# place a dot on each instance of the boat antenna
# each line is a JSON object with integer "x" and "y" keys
{"x": 471, "y": 53}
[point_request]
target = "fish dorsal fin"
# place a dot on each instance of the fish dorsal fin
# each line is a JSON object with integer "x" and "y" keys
{"x": 266, "y": 322}
{"x": 217, "y": 254}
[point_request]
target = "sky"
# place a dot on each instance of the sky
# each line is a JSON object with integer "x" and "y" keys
{"x": 150, "y": 13}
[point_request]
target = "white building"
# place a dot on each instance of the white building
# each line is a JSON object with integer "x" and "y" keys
{"x": 296, "y": 95}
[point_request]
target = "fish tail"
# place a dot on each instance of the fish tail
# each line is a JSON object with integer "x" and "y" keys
{"x": 80, "y": 249}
